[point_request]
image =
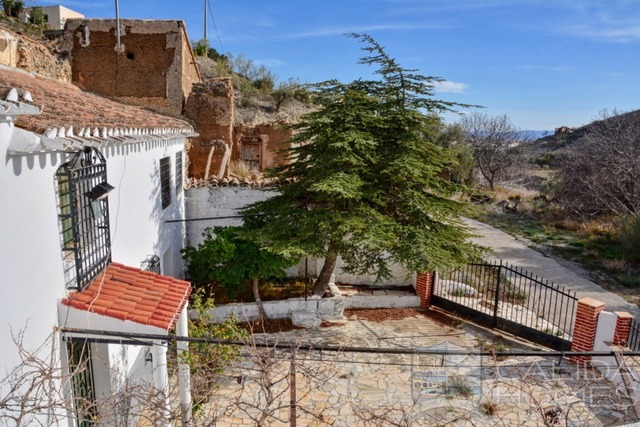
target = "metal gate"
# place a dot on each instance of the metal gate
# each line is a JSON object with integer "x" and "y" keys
{"x": 501, "y": 296}
{"x": 634, "y": 335}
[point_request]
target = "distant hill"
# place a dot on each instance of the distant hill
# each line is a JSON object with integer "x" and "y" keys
{"x": 536, "y": 134}
{"x": 555, "y": 145}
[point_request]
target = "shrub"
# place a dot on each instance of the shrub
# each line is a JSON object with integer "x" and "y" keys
{"x": 208, "y": 361}
{"x": 36, "y": 16}
{"x": 12, "y": 8}
{"x": 200, "y": 47}
{"x": 630, "y": 237}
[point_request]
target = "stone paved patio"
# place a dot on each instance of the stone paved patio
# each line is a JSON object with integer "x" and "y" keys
{"x": 372, "y": 389}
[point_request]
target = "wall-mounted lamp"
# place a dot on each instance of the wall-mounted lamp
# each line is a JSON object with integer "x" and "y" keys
{"x": 100, "y": 191}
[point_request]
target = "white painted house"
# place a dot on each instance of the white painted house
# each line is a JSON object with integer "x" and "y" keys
{"x": 54, "y": 16}
{"x": 86, "y": 185}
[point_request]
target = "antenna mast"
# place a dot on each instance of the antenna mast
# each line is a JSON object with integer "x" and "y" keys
{"x": 205, "y": 20}
{"x": 118, "y": 45}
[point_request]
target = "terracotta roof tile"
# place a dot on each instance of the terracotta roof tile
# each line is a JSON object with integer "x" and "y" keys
{"x": 65, "y": 106}
{"x": 143, "y": 297}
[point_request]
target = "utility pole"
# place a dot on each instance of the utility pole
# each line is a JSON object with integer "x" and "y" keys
{"x": 118, "y": 45}
{"x": 205, "y": 20}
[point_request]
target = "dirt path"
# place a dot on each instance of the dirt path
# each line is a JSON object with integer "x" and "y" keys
{"x": 516, "y": 252}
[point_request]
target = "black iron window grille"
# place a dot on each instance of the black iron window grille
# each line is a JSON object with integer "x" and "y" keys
{"x": 165, "y": 181}
{"x": 179, "y": 172}
{"x": 84, "y": 215}
{"x": 152, "y": 264}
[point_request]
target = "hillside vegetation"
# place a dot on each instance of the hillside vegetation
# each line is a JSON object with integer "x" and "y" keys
{"x": 579, "y": 198}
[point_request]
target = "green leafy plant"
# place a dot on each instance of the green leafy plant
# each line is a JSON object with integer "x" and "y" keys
{"x": 287, "y": 91}
{"x": 228, "y": 256}
{"x": 630, "y": 237}
{"x": 37, "y": 16}
{"x": 206, "y": 360}
{"x": 13, "y": 8}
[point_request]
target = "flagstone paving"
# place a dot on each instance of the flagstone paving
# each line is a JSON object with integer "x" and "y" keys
{"x": 373, "y": 389}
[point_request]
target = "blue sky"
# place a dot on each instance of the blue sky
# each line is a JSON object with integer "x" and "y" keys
{"x": 545, "y": 63}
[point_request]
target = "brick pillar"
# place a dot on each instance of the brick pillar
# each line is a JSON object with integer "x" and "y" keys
{"x": 584, "y": 330}
{"x": 425, "y": 283}
{"x": 623, "y": 327}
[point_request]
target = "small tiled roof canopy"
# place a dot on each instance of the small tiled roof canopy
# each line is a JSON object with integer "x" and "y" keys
{"x": 66, "y": 106}
{"x": 132, "y": 294}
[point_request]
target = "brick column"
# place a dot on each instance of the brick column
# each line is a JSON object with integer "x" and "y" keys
{"x": 584, "y": 330}
{"x": 425, "y": 283}
{"x": 623, "y": 327}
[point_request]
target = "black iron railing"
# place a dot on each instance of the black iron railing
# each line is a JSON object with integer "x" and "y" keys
{"x": 502, "y": 292}
{"x": 634, "y": 335}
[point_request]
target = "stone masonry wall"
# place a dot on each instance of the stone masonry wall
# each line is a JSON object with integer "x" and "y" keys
{"x": 149, "y": 71}
{"x": 18, "y": 50}
{"x": 210, "y": 107}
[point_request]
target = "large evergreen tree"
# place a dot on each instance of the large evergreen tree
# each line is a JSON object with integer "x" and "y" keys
{"x": 365, "y": 179}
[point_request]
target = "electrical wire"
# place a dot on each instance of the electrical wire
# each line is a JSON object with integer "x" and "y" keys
{"x": 214, "y": 25}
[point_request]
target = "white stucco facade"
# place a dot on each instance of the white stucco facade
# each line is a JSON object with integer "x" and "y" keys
{"x": 138, "y": 227}
{"x": 55, "y": 16}
{"x": 31, "y": 260}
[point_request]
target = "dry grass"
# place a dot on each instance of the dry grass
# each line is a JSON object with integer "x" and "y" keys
{"x": 615, "y": 265}
{"x": 240, "y": 169}
{"x": 502, "y": 193}
{"x": 600, "y": 227}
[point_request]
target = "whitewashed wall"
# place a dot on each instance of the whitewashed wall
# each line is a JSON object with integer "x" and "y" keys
{"x": 138, "y": 225}
{"x": 218, "y": 202}
{"x": 31, "y": 275}
{"x": 227, "y": 201}
{"x": 31, "y": 268}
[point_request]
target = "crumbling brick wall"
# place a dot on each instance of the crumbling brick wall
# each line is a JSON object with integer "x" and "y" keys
{"x": 272, "y": 135}
{"x": 210, "y": 107}
{"x": 150, "y": 70}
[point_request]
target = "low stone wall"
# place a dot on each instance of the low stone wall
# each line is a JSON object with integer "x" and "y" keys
{"x": 312, "y": 311}
{"x": 325, "y": 308}
{"x": 383, "y": 300}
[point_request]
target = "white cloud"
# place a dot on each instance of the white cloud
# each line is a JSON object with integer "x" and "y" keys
{"x": 620, "y": 34}
{"x": 558, "y": 68}
{"x": 269, "y": 62}
{"x": 326, "y": 32}
{"x": 449, "y": 87}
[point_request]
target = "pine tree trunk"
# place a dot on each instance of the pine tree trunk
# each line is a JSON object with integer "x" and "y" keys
{"x": 322, "y": 284}
{"x": 256, "y": 296}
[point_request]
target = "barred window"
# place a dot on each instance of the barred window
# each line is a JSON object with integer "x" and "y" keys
{"x": 84, "y": 216}
{"x": 179, "y": 172}
{"x": 165, "y": 181}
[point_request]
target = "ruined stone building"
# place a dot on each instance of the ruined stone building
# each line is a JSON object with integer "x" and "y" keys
{"x": 224, "y": 142}
{"x": 154, "y": 68}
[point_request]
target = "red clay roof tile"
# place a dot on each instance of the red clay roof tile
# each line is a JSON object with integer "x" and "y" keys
{"x": 65, "y": 105}
{"x": 147, "y": 298}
